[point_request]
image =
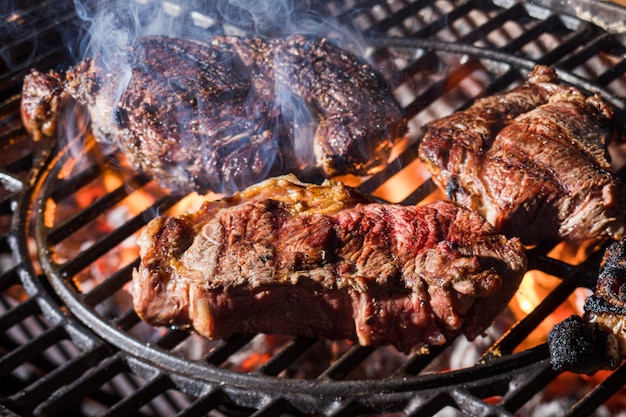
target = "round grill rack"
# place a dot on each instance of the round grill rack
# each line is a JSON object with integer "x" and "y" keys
{"x": 70, "y": 342}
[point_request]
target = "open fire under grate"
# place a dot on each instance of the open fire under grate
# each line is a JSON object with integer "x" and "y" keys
{"x": 70, "y": 342}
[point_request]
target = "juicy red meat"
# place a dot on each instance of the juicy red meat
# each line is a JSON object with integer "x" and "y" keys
{"x": 276, "y": 260}
{"x": 532, "y": 160}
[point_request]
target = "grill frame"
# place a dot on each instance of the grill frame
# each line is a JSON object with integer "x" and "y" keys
{"x": 98, "y": 353}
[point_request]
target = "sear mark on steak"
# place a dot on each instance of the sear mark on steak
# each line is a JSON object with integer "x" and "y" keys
{"x": 225, "y": 113}
{"x": 532, "y": 160}
{"x": 286, "y": 257}
{"x": 598, "y": 339}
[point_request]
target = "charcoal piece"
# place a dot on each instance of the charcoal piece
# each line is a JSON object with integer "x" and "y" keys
{"x": 576, "y": 346}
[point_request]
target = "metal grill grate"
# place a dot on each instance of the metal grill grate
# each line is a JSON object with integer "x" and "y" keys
{"x": 70, "y": 343}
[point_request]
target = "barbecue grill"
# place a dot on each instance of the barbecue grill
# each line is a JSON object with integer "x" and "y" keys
{"x": 70, "y": 343}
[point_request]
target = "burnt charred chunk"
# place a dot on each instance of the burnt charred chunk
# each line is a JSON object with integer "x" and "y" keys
{"x": 611, "y": 284}
{"x": 577, "y": 346}
{"x": 595, "y": 305}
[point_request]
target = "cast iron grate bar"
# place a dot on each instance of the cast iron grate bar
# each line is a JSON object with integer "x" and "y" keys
{"x": 11, "y": 276}
{"x": 105, "y": 244}
{"x": 171, "y": 339}
{"x": 515, "y": 13}
{"x": 31, "y": 349}
{"x": 67, "y": 187}
{"x": 522, "y": 329}
{"x": 393, "y": 168}
{"x": 343, "y": 13}
{"x": 525, "y": 386}
{"x": 569, "y": 45}
{"x": 37, "y": 326}
{"x": 44, "y": 34}
{"x": 612, "y": 73}
{"x": 22, "y": 164}
{"x": 444, "y": 21}
{"x": 82, "y": 387}
{"x": 17, "y": 314}
{"x": 436, "y": 89}
{"x": 470, "y": 404}
{"x": 277, "y": 407}
{"x": 52, "y": 382}
{"x": 423, "y": 191}
{"x": 6, "y": 208}
{"x": 599, "y": 394}
{"x": 549, "y": 56}
{"x": 226, "y": 348}
{"x": 397, "y": 18}
{"x": 588, "y": 50}
{"x": 4, "y": 244}
{"x": 205, "y": 403}
{"x": 112, "y": 284}
{"x": 10, "y": 83}
{"x": 428, "y": 63}
{"x": 428, "y": 405}
{"x": 419, "y": 361}
{"x": 131, "y": 404}
{"x": 9, "y": 107}
{"x": 286, "y": 356}
{"x": 551, "y": 24}
{"x": 127, "y": 320}
{"x": 10, "y": 131}
{"x": 347, "y": 362}
{"x": 12, "y": 185}
{"x": 344, "y": 409}
{"x": 94, "y": 210}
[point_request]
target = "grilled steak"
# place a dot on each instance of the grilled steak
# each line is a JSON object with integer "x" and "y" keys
{"x": 223, "y": 114}
{"x": 598, "y": 339}
{"x": 285, "y": 257}
{"x": 532, "y": 160}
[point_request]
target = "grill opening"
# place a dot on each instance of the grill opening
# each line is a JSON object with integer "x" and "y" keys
{"x": 71, "y": 210}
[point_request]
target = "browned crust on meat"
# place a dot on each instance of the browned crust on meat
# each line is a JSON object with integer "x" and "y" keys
{"x": 532, "y": 160}
{"x": 225, "y": 113}
{"x": 287, "y": 257}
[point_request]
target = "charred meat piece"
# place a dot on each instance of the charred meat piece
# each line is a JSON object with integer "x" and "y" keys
{"x": 225, "y": 113}
{"x": 598, "y": 339}
{"x": 577, "y": 346}
{"x": 286, "y": 257}
{"x": 532, "y": 160}
{"x": 607, "y": 306}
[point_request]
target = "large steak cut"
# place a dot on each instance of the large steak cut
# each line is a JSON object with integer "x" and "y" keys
{"x": 532, "y": 160}
{"x": 285, "y": 257}
{"x": 225, "y": 113}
